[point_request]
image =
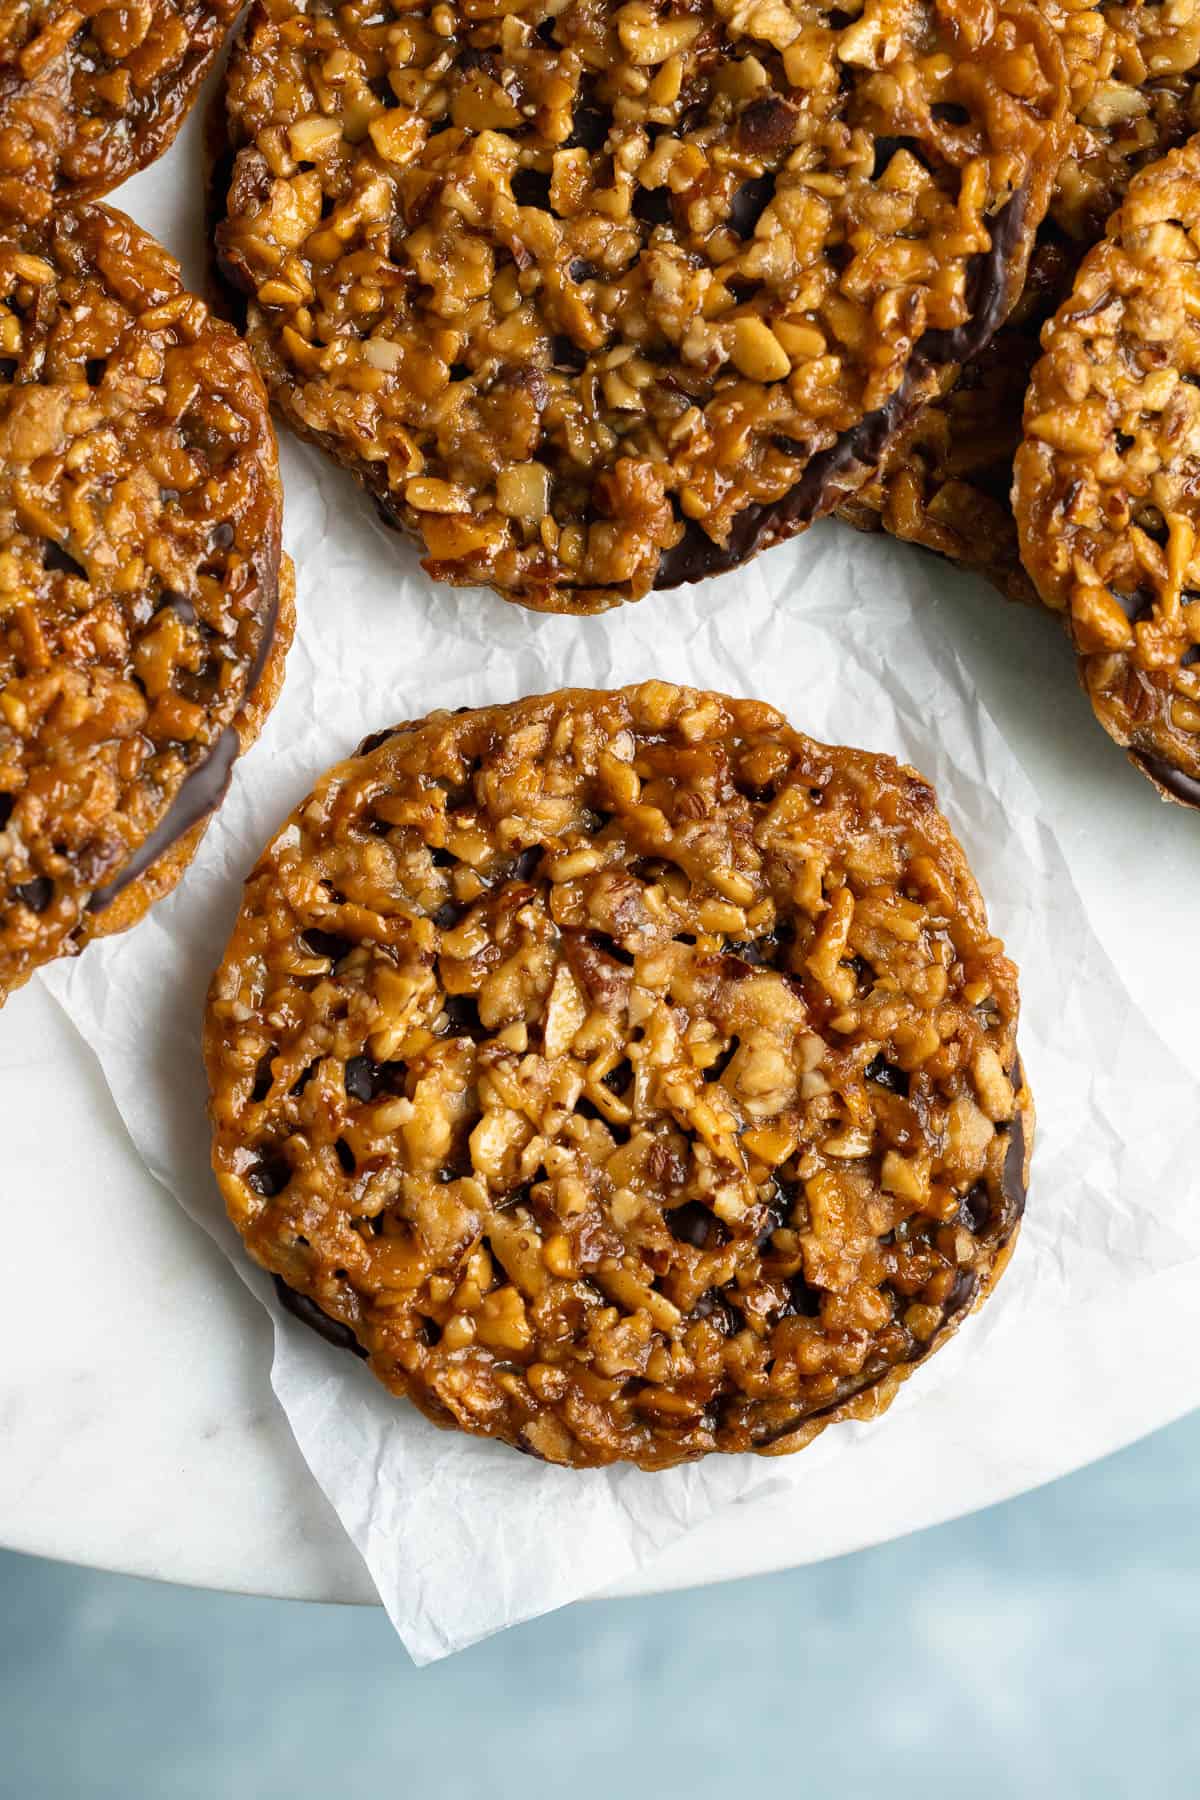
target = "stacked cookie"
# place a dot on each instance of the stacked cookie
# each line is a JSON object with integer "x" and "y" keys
{"x": 92, "y": 92}
{"x": 1107, "y": 489}
{"x": 1101, "y": 521}
{"x": 623, "y": 1076}
{"x": 609, "y": 299}
{"x": 145, "y": 602}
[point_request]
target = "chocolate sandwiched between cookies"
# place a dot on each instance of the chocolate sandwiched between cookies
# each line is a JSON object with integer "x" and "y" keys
{"x": 145, "y": 600}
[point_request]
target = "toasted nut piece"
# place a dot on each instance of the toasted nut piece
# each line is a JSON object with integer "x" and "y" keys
{"x": 523, "y": 491}
{"x": 758, "y": 353}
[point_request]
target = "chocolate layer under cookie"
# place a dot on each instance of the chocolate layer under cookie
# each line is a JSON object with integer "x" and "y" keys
{"x": 91, "y": 93}
{"x": 143, "y": 611}
{"x": 310, "y": 1314}
{"x": 203, "y": 787}
{"x": 945, "y": 481}
{"x": 628, "y": 1075}
{"x": 841, "y": 470}
{"x": 1108, "y": 475}
{"x": 595, "y": 299}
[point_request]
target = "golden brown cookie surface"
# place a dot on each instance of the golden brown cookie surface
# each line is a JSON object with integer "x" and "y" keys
{"x": 945, "y": 483}
{"x": 609, "y": 297}
{"x": 1132, "y": 67}
{"x": 1108, "y": 475}
{"x": 91, "y": 92}
{"x": 141, "y": 625}
{"x": 632, "y": 1076}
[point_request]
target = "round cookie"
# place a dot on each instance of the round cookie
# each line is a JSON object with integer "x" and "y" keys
{"x": 144, "y": 612}
{"x": 625, "y": 1074}
{"x": 945, "y": 482}
{"x": 1108, "y": 476}
{"x": 605, "y": 298}
{"x": 90, "y": 93}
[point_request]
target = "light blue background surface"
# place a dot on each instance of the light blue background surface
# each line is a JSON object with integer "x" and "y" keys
{"x": 1046, "y": 1648}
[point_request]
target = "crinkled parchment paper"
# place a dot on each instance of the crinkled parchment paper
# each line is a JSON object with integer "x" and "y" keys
{"x": 463, "y": 1537}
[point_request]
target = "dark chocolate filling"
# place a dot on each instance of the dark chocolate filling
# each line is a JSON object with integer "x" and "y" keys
{"x": 1012, "y": 1176}
{"x": 842, "y": 468}
{"x": 310, "y": 1314}
{"x": 375, "y": 739}
{"x": 36, "y": 894}
{"x": 1136, "y": 605}
{"x": 1183, "y": 787}
{"x": 202, "y": 789}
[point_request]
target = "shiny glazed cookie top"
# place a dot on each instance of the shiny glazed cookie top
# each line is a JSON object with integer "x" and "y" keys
{"x": 594, "y": 297}
{"x": 91, "y": 92}
{"x": 1108, "y": 475}
{"x": 139, "y": 554}
{"x": 945, "y": 481}
{"x": 1134, "y": 95}
{"x": 633, "y": 1076}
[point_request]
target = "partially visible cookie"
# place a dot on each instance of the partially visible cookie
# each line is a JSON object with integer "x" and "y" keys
{"x": 1107, "y": 490}
{"x": 90, "y": 93}
{"x": 1134, "y": 95}
{"x": 144, "y": 612}
{"x": 600, "y": 298}
{"x": 945, "y": 483}
{"x": 626, "y": 1075}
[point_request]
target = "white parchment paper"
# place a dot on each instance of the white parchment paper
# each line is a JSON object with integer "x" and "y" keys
{"x": 464, "y": 1537}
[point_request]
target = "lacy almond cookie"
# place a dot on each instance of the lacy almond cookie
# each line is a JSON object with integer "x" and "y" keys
{"x": 144, "y": 611}
{"x": 92, "y": 92}
{"x": 596, "y": 298}
{"x": 1107, "y": 490}
{"x": 625, "y": 1075}
{"x": 945, "y": 482}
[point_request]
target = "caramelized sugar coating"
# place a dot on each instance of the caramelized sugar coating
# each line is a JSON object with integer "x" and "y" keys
{"x": 625, "y": 1074}
{"x": 141, "y": 628}
{"x": 1132, "y": 68}
{"x": 91, "y": 92}
{"x": 605, "y": 297}
{"x": 945, "y": 483}
{"x": 1107, "y": 489}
